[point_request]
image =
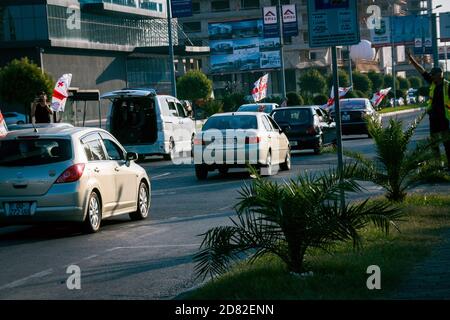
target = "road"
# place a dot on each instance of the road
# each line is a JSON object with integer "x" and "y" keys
{"x": 150, "y": 259}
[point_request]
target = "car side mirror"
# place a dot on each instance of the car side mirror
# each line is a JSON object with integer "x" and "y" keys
{"x": 131, "y": 156}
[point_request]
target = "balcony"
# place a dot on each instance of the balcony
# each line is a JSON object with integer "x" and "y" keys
{"x": 143, "y": 8}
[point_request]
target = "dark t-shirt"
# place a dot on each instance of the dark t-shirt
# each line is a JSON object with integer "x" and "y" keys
{"x": 438, "y": 120}
{"x": 41, "y": 114}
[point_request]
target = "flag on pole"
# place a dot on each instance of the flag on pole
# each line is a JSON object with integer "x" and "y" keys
{"x": 342, "y": 93}
{"x": 259, "y": 92}
{"x": 379, "y": 96}
{"x": 60, "y": 93}
{"x": 3, "y": 127}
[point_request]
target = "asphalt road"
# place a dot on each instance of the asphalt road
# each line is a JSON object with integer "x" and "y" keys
{"x": 151, "y": 259}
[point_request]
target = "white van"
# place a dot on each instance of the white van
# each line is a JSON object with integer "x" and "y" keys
{"x": 149, "y": 124}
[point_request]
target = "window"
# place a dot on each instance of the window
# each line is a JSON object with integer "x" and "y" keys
{"x": 266, "y": 124}
{"x": 275, "y": 2}
{"x": 195, "y": 7}
{"x": 94, "y": 150}
{"x": 274, "y": 124}
{"x": 312, "y": 55}
{"x": 181, "y": 111}
{"x": 305, "y": 37}
{"x": 195, "y": 26}
{"x": 223, "y": 5}
{"x": 250, "y": 4}
{"x": 113, "y": 150}
{"x": 172, "y": 108}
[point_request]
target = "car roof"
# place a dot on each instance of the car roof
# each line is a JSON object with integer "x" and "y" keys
{"x": 246, "y": 113}
{"x": 259, "y": 104}
{"x": 296, "y": 107}
{"x": 51, "y": 132}
{"x": 354, "y": 99}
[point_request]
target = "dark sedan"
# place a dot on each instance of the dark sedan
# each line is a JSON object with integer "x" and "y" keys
{"x": 307, "y": 127}
{"x": 354, "y": 113}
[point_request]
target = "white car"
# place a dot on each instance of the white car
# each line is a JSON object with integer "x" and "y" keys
{"x": 258, "y": 107}
{"x": 14, "y": 118}
{"x": 150, "y": 124}
{"x": 69, "y": 174}
{"x": 236, "y": 140}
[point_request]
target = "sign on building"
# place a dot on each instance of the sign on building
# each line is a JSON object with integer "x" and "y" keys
{"x": 445, "y": 26}
{"x": 290, "y": 25}
{"x": 181, "y": 8}
{"x": 270, "y": 22}
{"x": 333, "y": 23}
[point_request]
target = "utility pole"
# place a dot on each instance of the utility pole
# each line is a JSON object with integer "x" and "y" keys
{"x": 280, "y": 23}
{"x": 393, "y": 56}
{"x": 171, "y": 54}
{"x": 350, "y": 69}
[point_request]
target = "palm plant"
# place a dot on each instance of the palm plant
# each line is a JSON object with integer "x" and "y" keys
{"x": 397, "y": 165}
{"x": 288, "y": 218}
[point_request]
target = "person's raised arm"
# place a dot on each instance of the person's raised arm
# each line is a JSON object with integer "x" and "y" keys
{"x": 414, "y": 62}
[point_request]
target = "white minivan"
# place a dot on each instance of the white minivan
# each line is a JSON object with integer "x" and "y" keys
{"x": 149, "y": 124}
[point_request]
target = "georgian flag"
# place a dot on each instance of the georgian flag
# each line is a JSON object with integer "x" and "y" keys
{"x": 342, "y": 93}
{"x": 60, "y": 93}
{"x": 259, "y": 92}
{"x": 3, "y": 127}
{"x": 379, "y": 96}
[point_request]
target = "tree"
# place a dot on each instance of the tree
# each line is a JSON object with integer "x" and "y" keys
{"x": 424, "y": 91}
{"x": 212, "y": 106}
{"x": 344, "y": 79}
{"x": 273, "y": 99}
{"x": 388, "y": 82}
{"x": 286, "y": 219}
{"x": 311, "y": 82}
{"x": 194, "y": 85}
{"x": 21, "y": 81}
{"x": 362, "y": 82}
{"x": 404, "y": 83}
{"x": 415, "y": 82}
{"x": 231, "y": 102}
{"x": 294, "y": 99}
{"x": 377, "y": 80}
{"x": 396, "y": 166}
{"x": 320, "y": 99}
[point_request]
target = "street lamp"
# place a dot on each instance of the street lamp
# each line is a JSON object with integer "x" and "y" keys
{"x": 171, "y": 53}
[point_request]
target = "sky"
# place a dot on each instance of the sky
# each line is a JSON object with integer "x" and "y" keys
{"x": 445, "y": 5}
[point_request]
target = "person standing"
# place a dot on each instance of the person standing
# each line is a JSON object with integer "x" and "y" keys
{"x": 438, "y": 106}
{"x": 41, "y": 110}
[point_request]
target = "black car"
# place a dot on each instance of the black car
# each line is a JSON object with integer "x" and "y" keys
{"x": 354, "y": 113}
{"x": 307, "y": 127}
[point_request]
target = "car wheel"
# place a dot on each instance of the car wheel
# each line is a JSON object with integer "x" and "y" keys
{"x": 171, "y": 155}
{"x": 143, "y": 203}
{"x": 267, "y": 170}
{"x": 201, "y": 171}
{"x": 286, "y": 165}
{"x": 192, "y": 146}
{"x": 93, "y": 215}
{"x": 318, "y": 148}
{"x": 223, "y": 170}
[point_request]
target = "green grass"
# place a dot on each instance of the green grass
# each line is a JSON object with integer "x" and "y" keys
{"x": 401, "y": 108}
{"x": 342, "y": 273}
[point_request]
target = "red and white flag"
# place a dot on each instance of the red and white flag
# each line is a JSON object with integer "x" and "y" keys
{"x": 61, "y": 92}
{"x": 259, "y": 92}
{"x": 379, "y": 96}
{"x": 342, "y": 93}
{"x": 3, "y": 127}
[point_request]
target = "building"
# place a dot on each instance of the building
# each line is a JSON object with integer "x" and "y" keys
{"x": 105, "y": 44}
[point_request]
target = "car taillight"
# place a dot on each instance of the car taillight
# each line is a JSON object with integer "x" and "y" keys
{"x": 252, "y": 140}
{"x": 71, "y": 174}
{"x": 311, "y": 130}
{"x": 199, "y": 142}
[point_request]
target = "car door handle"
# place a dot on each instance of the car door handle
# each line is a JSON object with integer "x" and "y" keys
{"x": 97, "y": 170}
{"x": 117, "y": 169}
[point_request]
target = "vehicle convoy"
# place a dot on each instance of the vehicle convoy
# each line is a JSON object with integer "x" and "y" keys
{"x": 258, "y": 107}
{"x": 236, "y": 140}
{"x": 307, "y": 127}
{"x": 354, "y": 114}
{"x": 69, "y": 174}
{"x": 150, "y": 124}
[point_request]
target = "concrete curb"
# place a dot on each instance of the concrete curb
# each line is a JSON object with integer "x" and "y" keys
{"x": 401, "y": 112}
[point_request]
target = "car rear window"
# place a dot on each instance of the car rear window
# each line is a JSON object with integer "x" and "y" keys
{"x": 349, "y": 105}
{"x": 256, "y": 108}
{"x": 32, "y": 152}
{"x": 231, "y": 122}
{"x": 295, "y": 116}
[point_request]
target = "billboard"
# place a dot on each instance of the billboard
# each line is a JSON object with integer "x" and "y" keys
{"x": 238, "y": 46}
{"x": 444, "y": 23}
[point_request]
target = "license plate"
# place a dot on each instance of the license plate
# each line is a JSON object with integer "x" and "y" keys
{"x": 345, "y": 117}
{"x": 19, "y": 209}
{"x": 293, "y": 143}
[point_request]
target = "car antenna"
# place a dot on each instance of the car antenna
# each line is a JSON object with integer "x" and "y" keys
{"x": 34, "y": 127}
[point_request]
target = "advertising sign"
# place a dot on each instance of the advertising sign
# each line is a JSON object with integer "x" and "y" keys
{"x": 333, "y": 23}
{"x": 270, "y": 19}
{"x": 238, "y": 46}
{"x": 444, "y": 24}
{"x": 290, "y": 25}
{"x": 181, "y": 8}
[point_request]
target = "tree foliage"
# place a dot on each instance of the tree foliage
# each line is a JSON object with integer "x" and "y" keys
{"x": 415, "y": 82}
{"x": 377, "y": 80}
{"x": 361, "y": 82}
{"x": 231, "y": 102}
{"x": 22, "y": 80}
{"x": 294, "y": 99}
{"x": 311, "y": 82}
{"x": 194, "y": 85}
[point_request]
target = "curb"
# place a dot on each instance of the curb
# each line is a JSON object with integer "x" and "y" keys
{"x": 402, "y": 112}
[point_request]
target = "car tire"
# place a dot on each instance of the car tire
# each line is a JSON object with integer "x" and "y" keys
{"x": 201, "y": 171}
{"x": 223, "y": 170}
{"x": 93, "y": 219}
{"x": 192, "y": 147}
{"x": 171, "y": 155}
{"x": 143, "y": 203}
{"x": 286, "y": 165}
{"x": 267, "y": 170}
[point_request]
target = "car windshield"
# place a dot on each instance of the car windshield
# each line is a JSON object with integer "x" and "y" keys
{"x": 294, "y": 116}
{"x": 256, "y": 108}
{"x": 32, "y": 152}
{"x": 353, "y": 104}
{"x": 231, "y": 122}
{"x": 9, "y": 115}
